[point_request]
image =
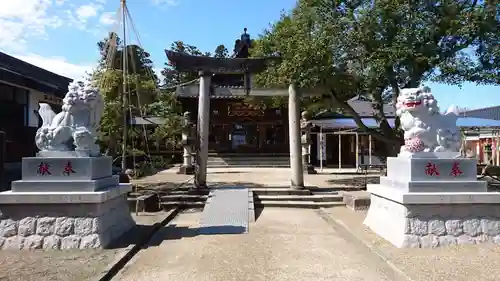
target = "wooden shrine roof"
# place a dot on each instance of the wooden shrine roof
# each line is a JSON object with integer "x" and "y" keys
{"x": 185, "y": 62}
{"x": 18, "y": 72}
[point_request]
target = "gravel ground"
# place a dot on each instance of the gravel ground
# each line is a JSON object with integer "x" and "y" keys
{"x": 256, "y": 176}
{"x": 459, "y": 263}
{"x": 74, "y": 265}
{"x": 52, "y": 265}
{"x": 282, "y": 245}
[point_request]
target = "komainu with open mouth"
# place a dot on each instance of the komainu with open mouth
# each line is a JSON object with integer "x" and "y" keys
{"x": 426, "y": 129}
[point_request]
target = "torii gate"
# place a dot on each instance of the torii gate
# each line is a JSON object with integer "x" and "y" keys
{"x": 206, "y": 67}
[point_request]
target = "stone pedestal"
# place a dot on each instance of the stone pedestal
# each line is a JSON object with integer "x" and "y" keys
{"x": 186, "y": 170}
{"x": 188, "y": 136}
{"x": 432, "y": 200}
{"x": 305, "y": 141}
{"x": 64, "y": 203}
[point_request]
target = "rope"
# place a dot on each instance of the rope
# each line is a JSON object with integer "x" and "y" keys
{"x": 123, "y": 16}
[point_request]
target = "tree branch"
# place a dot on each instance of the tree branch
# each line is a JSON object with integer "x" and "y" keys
{"x": 357, "y": 119}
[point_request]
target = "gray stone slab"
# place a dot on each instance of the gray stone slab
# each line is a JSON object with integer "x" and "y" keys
{"x": 65, "y": 186}
{"x": 10, "y": 197}
{"x": 436, "y": 186}
{"x": 430, "y": 226}
{"x": 64, "y": 226}
{"x": 227, "y": 212}
{"x": 431, "y": 198}
{"x": 65, "y": 154}
{"x": 431, "y": 169}
{"x": 66, "y": 168}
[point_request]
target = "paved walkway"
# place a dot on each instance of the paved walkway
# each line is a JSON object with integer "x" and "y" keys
{"x": 259, "y": 176}
{"x": 284, "y": 244}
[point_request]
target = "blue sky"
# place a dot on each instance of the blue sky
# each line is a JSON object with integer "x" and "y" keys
{"x": 61, "y": 35}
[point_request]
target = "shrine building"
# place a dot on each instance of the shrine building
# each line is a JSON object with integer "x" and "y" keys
{"x": 243, "y": 129}
{"x": 22, "y": 87}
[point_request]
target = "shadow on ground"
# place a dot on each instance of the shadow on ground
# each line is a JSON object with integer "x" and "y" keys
{"x": 174, "y": 232}
{"x": 225, "y": 172}
{"x": 134, "y": 236}
{"x": 344, "y": 173}
{"x": 357, "y": 181}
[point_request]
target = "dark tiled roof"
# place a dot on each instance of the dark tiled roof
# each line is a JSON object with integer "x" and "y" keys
{"x": 492, "y": 113}
{"x": 186, "y": 62}
{"x": 21, "y": 73}
{"x": 363, "y": 107}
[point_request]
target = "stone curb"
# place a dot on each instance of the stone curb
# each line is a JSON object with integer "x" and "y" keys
{"x": 128, "y": 253}
{"x": 349, "y": 233}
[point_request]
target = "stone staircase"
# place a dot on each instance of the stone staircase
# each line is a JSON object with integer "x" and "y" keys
{"x": 263, "y": 197}
{"x": 248, "y": 160}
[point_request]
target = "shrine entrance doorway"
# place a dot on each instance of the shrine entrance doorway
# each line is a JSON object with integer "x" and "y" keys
{"x": 244, "y": 136}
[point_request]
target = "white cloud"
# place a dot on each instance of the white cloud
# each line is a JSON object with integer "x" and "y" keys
{"x": 22, "y": 19}
{"x": 85, "y": 12}
{"x": 107, "y": 18}
{"x": 60, "y": 2}
{"x": 57, "y": 65}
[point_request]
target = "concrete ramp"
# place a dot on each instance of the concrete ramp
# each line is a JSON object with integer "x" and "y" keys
{"x": 228, "y": 211}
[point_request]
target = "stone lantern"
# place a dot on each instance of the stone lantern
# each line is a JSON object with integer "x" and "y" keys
{"x": 488, "y": 153}
{"x": 305, "y": 129}
{"x": 188, "y": 137}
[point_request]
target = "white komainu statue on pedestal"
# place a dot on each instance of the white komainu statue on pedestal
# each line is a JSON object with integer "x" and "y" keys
{"x": 426, "y": 129}
{"x": 76, "y": 126}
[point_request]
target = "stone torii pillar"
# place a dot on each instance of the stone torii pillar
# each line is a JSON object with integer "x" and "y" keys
{"x": 297, "y": 180}
{"x": 203, "y": 128}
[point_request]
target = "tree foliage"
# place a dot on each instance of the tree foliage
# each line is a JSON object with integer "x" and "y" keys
{"x": 221, "y": 52}
{"x": 141, "y": 97}
{"x": 370, "y": 48}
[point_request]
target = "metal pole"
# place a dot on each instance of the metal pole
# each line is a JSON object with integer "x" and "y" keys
{"x": 497, "y": 151}
{"x": 340, "y": 151}
{"x": 321, "y": 142}
{"x": 357, "y": 151}
{"x": 124, "y": 90}
{"x": 3, "y": 157}
{"x": 370, "y": 149}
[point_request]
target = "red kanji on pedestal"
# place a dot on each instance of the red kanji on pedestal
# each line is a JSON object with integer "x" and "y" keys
{"x": 431, "y": 169}
{"x": 455, "y": 170}
{"x": 68, "y": 169}
{"x": 43, "y": 169}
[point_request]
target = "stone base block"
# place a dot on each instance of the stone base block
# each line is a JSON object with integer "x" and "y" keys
{"x": 403, "y": 169}
{"x": 145, "y": 203}
{"x": 186, "y": 170}
{"x": 64, "y": 186}
{"x": 436, "y": 186}
{"x": 433, "y": 225}
{"x": 309, "y": 169}
{"x": 63, "y": 221}
{"x": 356, "y": 200}
{"x": 66, "y": 168}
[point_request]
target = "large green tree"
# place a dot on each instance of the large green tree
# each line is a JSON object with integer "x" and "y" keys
{"x": 374, "y": 48}
{"x": 141, "y": 98}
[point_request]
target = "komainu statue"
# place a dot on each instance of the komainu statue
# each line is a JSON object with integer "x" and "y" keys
{"x": 425, "y": 128}
{"x": 75, "y": 128}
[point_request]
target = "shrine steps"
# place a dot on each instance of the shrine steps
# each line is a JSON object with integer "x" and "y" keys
{"x": 242, "y": 160}
{"x": 289, "y": 198}
{"x": 283, "y": 197}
